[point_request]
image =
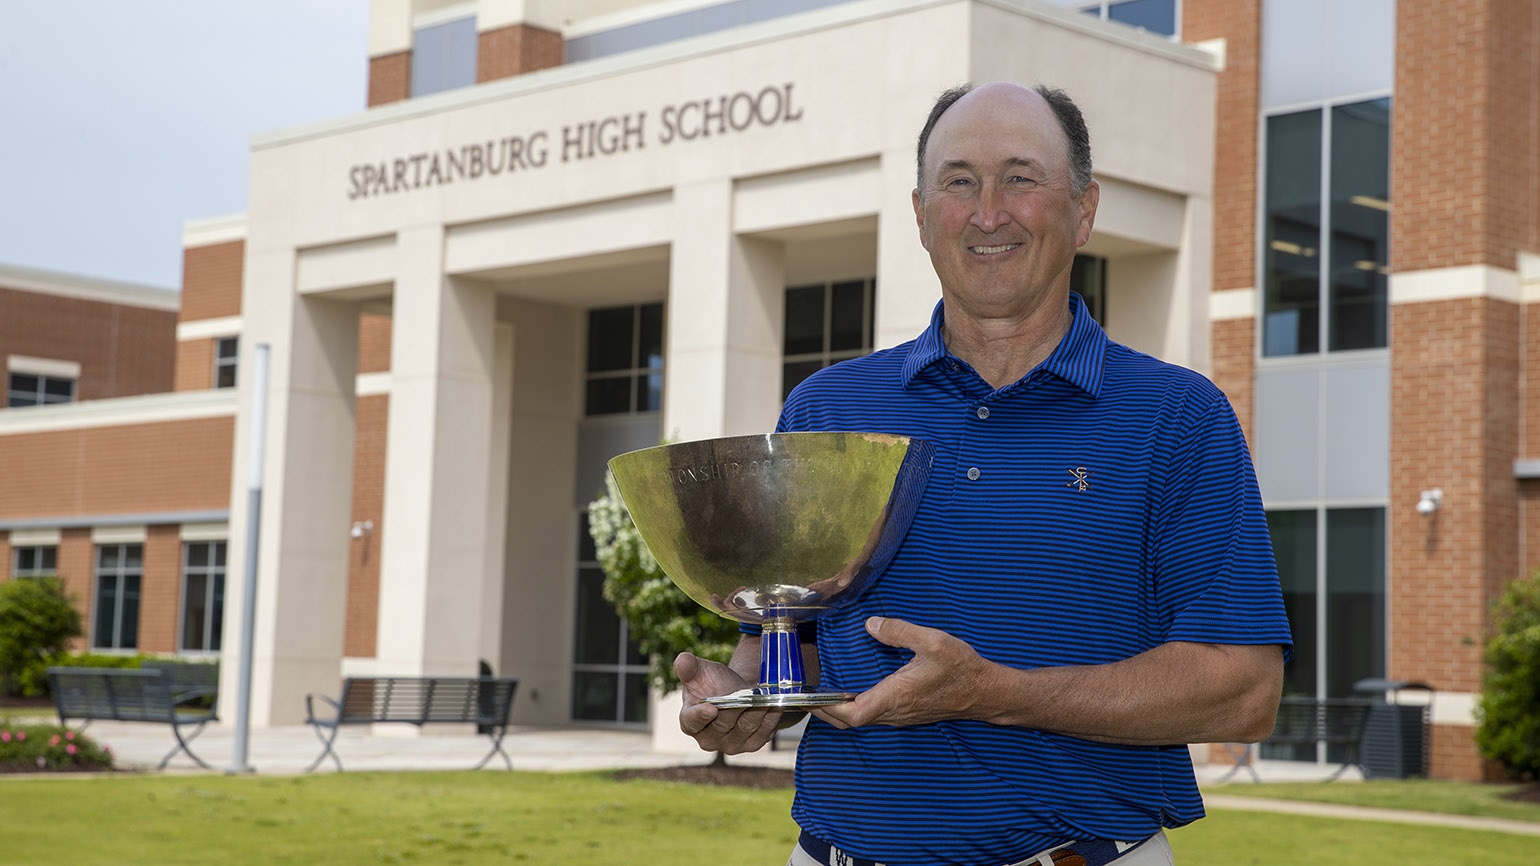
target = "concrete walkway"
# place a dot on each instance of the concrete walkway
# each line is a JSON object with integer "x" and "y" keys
{"x": 1369, "y": 813}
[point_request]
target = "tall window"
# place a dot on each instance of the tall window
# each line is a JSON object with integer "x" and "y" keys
{"x": 1156, "y": 16}
{"x": 32, "y": 389}
{"x": 1088, "y": 278}
{"x": 1331, "y": 563}
{"x": 119, "y": 568}
{"x": 227, "y": 351}
{"x": 625, "y": 360}
{"x": 34, "y": 561}
{"x": 444, "y": 55}
{"x": 825, "y": 323}
{"x": 1327, "y": 229}
{"x": 609, "y": 674}
{"x": 203, "y": 595}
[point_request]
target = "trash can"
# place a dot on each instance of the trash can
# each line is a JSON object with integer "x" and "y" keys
{"x": 1395, "y": 740}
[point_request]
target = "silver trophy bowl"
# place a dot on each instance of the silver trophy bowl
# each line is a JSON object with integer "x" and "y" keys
{"x": 775, "y": 530}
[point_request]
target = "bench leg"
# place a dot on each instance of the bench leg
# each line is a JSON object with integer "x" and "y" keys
{"x": 182, "y": 746}
{"x": 327, "y": 743}
{"x": 1242, "y": 761}
{"x": 497, "y": 749}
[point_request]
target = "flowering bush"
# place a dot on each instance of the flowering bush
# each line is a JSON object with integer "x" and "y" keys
{"x": 664, "y": 621}
{"x": 37, "y": 748}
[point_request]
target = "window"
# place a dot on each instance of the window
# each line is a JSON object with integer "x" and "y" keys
{"x": 1334, "y": 594}
{"x": 119, "y": 568}
{"x": 609, "y": 674}
{"x": 825, "y": 323}
{"x": 33, "y": 389}
{"x": 625, "y": 360}
{"x": 1088, "y": 278}
{"x": 444, "y": 56}
{"x": 1156, "y": 16}
{"x": 203, "y": 595}
{"x": 35, "y": 561}
{"x": 226, "y": 352}
{"x": 1327, "y": 226}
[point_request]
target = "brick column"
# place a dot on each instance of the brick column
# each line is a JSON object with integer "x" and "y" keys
{"x": 211, "y": 289}
{"x": 1233, "y": 334}
{"x": 503, "y": 52}
{"x": 1464, "y": 195}
{"x": 390, "y": 78}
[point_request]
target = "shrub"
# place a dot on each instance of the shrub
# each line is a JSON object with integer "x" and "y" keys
{"x": 38, "y": 748}
{"x": 1509, "y": 711}
{"x": 37, "y": 621}
{"x": 664, "y": 621}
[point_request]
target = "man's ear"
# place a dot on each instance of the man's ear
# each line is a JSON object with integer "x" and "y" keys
{"x": 1089, "y": 199}
{"x": 919, "y": 214}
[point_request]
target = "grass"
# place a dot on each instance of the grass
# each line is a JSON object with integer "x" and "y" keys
{"x": 1426, "y": 795}
{"x": 583, "y": 819}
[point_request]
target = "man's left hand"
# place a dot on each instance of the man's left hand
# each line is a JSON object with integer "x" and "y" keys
{"x": 945, "y": 680}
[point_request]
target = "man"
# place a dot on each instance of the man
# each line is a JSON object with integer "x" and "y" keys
{"x": 1088, "y": 584}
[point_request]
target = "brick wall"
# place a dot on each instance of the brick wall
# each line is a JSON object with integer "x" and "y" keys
{"x": 1233, "y": 348}
{"x": 211, "y": 280}
{"x": 516, "y": 49}
{"x": 363, "y": 602}
{"x": 373, "y": 343}
{"x": 77, "y": 568}
{"x": 166, "y": 466}
{"x": 195, "y": 364}
{"x": 390, "y": 78}
{"x": 160, "y": 589}
{"x": 122, "y": 350}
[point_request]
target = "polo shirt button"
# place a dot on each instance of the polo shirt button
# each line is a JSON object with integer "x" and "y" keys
{"x": 983, "y": 412}
{"x": 973, "y": 473}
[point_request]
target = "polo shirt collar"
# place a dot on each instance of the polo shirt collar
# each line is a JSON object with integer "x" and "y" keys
{"x": 1077, "y": 359}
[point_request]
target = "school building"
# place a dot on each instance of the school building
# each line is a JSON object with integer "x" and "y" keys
{"x": 562, "y": 230}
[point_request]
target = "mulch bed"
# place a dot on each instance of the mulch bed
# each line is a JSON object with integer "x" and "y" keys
{"x": 1528, "y": 794}
{"x": 727, "y": 775}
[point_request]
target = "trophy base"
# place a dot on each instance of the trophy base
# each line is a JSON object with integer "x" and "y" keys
{"x": 760, "y": 697}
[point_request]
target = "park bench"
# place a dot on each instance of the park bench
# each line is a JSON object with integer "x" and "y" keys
{"x": 1307, "y": 721}
{"x": 129, "y": 695}
{"x": 482, "y": 701}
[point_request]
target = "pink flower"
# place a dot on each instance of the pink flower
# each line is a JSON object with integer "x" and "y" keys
{"x": 21, "y": 736}
{"x": 69, "y": 735}
{"x": 108, "y": 750}
{"x": 5, "y": 736}
{"x": 53, "y": 740}
{"x": 71, "y": 749}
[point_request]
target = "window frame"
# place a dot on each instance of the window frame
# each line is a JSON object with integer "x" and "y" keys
{"x": 36, "y": 570}
{"x": 1103, "y": 7}
{"x": 223, "y": 362}
{"x": 40, "y": 392}
{"x": 640, "y": 367}
{"x": 215, "y": 576}
{"x": 827, "y": 356}
{"x": 121, "y": 574}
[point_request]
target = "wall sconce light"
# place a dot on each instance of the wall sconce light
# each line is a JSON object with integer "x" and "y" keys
{"x": 1430, "y": 501}
{"x": 364, "y": 527}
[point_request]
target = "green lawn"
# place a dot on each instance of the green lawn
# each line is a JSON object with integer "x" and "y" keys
{"x": 1454, "y": 798}
{"x": 579, "y": 819}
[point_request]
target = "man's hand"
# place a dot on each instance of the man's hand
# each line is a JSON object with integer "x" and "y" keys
{"x": 945, "y": 680}
{"x": 731, "y": 732}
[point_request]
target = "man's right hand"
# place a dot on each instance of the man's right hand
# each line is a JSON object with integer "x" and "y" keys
{"x": 731, "y": 732}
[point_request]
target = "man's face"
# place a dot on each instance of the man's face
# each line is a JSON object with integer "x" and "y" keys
{"x": 996, "y": 212}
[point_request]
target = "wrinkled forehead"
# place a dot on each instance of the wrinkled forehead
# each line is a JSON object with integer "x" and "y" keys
{"x": 998, "y": 125}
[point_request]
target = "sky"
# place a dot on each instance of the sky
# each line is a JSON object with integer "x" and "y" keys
{"x": 120, "y": 120}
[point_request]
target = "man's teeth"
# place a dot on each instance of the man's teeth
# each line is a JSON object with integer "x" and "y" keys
{"x": 999, "y": 249}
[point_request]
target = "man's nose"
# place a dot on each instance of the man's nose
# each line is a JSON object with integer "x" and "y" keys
{"x": 990, "y": 213}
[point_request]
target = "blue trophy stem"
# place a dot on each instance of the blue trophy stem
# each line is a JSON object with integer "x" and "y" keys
{"x": 780, "y": 656}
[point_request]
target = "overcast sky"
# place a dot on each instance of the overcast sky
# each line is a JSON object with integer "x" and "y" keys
{"x": 122, "y": 119}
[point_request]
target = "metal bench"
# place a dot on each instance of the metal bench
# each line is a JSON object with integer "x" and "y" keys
{"x": 482, "y": 701}
{"x": 1307, "y": 721}
{"x": 129, "y": 695}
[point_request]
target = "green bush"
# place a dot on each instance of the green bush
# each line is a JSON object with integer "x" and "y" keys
{"x": 38, "y": 748}
{"x": 1509, "y": 711}
{"x": 37, "y": 621}
{"x": 664, "y": 621}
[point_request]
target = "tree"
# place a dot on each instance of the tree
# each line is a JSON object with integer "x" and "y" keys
{"x": 664, "y": 621}
{"x": 1509, "y": 711}
{"x": 37, "y": 621}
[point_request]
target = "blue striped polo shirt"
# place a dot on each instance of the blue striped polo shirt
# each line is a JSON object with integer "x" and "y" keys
{"x": 1102, "y": 505}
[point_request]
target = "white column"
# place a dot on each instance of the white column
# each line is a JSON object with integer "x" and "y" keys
{"x": 303, "y": 562}
{"x": 725, "y": 310}
{"x": 497, "y": 499}
{"x": 907, "y": 288}
{"x": 437, "y": 484}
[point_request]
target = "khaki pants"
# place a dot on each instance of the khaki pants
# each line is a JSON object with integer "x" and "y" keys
{"x": 1156, "y": 852}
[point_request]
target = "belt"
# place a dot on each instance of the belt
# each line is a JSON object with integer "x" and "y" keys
{"x": 1095, "y": 852}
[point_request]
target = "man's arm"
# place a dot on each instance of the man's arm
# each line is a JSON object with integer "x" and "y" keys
{"x": 1174, "y": 693}
{"x": 732, "y": 731}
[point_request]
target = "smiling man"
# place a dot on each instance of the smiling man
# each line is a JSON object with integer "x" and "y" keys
{"x": 1088, "y": 584}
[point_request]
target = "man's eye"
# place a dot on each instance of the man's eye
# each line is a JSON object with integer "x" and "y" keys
{"x": 1019, "y": 179}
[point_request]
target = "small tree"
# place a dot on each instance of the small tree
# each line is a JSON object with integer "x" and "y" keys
{"x": 37, "y": 621}
{"x": 1509, "y": 728}
{"x": 664, "y": 621}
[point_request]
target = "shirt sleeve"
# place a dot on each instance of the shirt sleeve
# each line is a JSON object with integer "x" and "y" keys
{"x": 1216, "y": 580}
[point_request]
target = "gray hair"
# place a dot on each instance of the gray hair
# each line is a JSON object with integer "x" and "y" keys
{"x": 1071, "y": 122}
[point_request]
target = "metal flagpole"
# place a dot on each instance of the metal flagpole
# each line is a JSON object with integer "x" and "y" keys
{"x": 238, "y": 763}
